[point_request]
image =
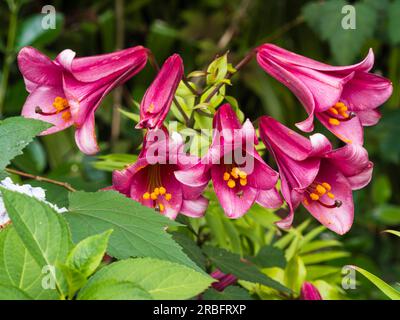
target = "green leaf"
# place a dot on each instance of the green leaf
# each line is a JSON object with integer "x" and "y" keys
{"x": 15, "y": 134}
{"x": 12, "y": 293}
{"x": 114, "y": 161}
{"x": 295, "y": 274}
{"x": 326, "y": 19}
{"x": 269, "y": 256}
{"x": 319, "y": 244}
{"x": 130, "y": 115}
{"x": 324, "y": 256}
{"x": 381, "y": 189}
{"x": 389, "y": 291}
{"x": 161, "y": 279}
{"x": 74, "y": 278}
{"x": 217, "y": 70}
{"x": 229, "y": 262}
{"x": 190, "y": 248}
{"x": 114, "y": 290}
{"x": 388, "y": 214}
{"x": 31, "y": 32}
{"x": 230, "y": 293}
{"x": 87, "y": 255}
{"x": 394, "y": 22}
{"x": 396, "y": 233}
{"x": 43, "y": 231}
{"x": 18, "y": 269}
{"x": 138, "y": 230}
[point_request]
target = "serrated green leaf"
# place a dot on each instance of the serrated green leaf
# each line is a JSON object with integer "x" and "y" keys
{"x": 190, "y": 248}
{"x": 138, "y": 230}
{"x": 43, "y": 231}
{"x": 229, "y": 293}
{"x": 269, "y": 256}
{"x": 19, "y": 269}
{"x": 388, "y": 290}
{"x": 229, "y": 262}
{"x": 114, "y": 290}
{"x": 15, "y": 134}
{"x": 87, "y": 255}
{"x": 161, "y": 279}
{"x": 12, "y": 293}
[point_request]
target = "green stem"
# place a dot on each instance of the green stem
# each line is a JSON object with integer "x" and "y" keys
{"x": 9, "y": 55}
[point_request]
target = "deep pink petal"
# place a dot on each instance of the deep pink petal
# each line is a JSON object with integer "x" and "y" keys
{"x": 369, "y": 117}
{"x": 37, "y": 69}
{"x": 348, "y": 131}
{"x": 352, "y": 160}
{"x": 269, "y": 199}
{"x": 366, "y": 91}
{"x": 282, "y": 139}
{"x": 85, "y": 136}
{"x": 234, "y": 204}
{"x": 99, "y": 67}
{"x": 296, "y": 59}
{"x": 339, "y": 219}
{"x": 44, "y": 98}
{"x": 194, "y": 208}
{"x": 309, "y": 292}
{"x": 158, "y": 98}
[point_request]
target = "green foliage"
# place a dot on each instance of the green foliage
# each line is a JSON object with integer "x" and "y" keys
{"x": 231, "y": 263}
{"x": 380, "y": 284}
{"x": 31, "y": 32}
{"x": 15, "y": 134}
{"x": 230, "y": 293}
{"x": 327, "y": 19}
{"x": 15, "y": 260}
{"x": 43, "y": 231}
{"x": 138, "y": 230}
{"x": 160, "y": 279}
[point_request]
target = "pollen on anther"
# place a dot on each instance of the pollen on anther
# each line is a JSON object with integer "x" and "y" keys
{"x": 243, "y": 182}
{"x": 226, "y": 176}
{"x": 333, "y": 110}
{"x": 162, "y": 190}
{"x": 168, "y": 196}
{"x": 330, "y": 195}
{"x": 153, "y": 196}
{"x": 327, "y": 186}
{"x": 161, "y": 207}
{"x": 320, "y": 190}
{"x": 334, "y": 122}
{"x": 314, "y": 196}
{"x": 231, "y": 183}
{"x": 66, "y": 116}
{"x": 146, "y": 196}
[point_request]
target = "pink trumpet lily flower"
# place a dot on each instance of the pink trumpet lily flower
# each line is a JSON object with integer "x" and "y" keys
{"x": 68, "y": 90}
{"x": 309, "y": 292}
{"x": 158, "y": 98}
{"x": 313, "y": 174}
{"x": 151, "y": 180}
{"x": 237, "y": 183}
{"x": 344, "y": 99}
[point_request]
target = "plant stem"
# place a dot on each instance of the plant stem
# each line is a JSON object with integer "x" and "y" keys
{"x": 43, "y": 179}
{"x": 229, "y": 75}
{"x": 9, "y": 55}
{"x": 189, "y": 86}
{"x": 182, "y": 112}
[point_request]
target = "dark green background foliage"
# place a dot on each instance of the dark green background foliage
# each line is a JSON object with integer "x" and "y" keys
{"x": 198, "y": 31}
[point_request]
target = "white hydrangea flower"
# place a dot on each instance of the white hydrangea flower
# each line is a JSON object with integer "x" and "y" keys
{"x": 35, "y": 192}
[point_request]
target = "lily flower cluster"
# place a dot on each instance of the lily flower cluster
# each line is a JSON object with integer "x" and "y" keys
{"x": 68, "y": 90}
